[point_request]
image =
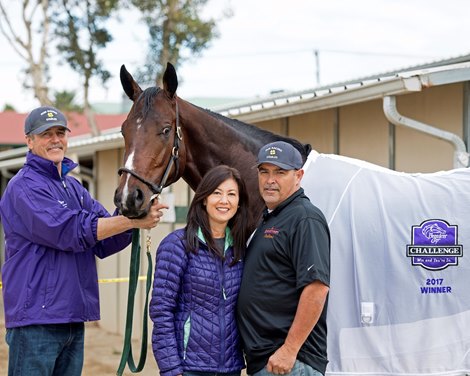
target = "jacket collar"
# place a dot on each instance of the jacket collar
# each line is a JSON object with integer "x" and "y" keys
{"x": 228, "y": 237}
{"x": 48, "y": 167}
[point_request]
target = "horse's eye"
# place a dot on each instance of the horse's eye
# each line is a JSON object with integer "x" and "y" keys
{"x": 166, "y": 131}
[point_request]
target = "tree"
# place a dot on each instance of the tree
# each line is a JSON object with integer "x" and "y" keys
{"x": 8, "y": 107}
{"x": 78, "y": 29}
{"x": 30, "y": 39}
{"x": 75, "y": 27}
{"x": 173, "y": 26}
{"x": 81, "y": 32}
{"x": 65, "y": 100}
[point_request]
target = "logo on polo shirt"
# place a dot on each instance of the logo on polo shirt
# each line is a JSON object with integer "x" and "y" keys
{"x": 434, "y": 245}
{"x": 270, "y": 233}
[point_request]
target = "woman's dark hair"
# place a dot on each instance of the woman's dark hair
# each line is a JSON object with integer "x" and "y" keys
{"x": 198, "y": 217}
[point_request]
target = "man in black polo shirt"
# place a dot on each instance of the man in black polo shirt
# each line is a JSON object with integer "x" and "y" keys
{"x": 282, "y": 303}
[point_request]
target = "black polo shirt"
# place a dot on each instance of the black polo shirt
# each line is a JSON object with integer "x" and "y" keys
{"x": 289, "y": 250}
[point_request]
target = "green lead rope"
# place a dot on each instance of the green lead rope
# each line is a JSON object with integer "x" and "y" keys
{"x": 126, "y": 356}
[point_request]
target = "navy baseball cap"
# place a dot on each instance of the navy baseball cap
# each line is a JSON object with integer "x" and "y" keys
{"x": 43, "y": 118}
{"x": 281, "y": 154}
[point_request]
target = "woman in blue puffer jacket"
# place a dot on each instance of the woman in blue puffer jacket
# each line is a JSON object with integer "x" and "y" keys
{"x": 197, "y": 278}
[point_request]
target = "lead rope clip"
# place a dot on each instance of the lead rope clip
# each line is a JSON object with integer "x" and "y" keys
{"x": 148, "y": 243}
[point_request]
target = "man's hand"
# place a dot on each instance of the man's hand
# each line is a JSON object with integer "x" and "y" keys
{"x": 110, "y": 226}
{"x": 282, "y": 361}
{"x": 152, "y": 218}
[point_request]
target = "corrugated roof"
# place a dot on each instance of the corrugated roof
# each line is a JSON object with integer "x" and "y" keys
{"x": 12, "y": 125}
{"x": 285, "y": 98}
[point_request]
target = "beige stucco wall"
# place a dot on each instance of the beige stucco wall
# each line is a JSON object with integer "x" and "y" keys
{"x": 274, "y": 126}
{"x": 106, "y": 166}
{"x": 114, "y": 294}
{"x": 315, "y": 128}
{"x": 362, "y": 130}
{"x": 440, "y": 107}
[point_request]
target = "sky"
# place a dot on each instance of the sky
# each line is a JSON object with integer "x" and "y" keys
{"x": 272, "y": 45}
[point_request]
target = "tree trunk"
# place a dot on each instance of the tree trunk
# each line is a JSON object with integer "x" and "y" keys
{"x": 41, "y": 91}
{"x": 167, "y": 29}
{"x": 22, "y": 43}
{"x": 89, "y": 114}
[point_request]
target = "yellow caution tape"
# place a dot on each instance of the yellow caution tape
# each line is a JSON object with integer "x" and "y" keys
{"x": 125, "y": 279}
{"x": 112, "y": 280}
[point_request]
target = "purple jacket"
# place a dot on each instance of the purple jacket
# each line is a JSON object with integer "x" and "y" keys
{"x": 50, "y": 226}
{"x": 193, "y": 309}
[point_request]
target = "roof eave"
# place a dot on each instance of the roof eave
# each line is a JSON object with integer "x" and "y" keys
{"x": 336, "y": 96}
{"x": 295, "y": 106}
{"x": 80, "y": 147}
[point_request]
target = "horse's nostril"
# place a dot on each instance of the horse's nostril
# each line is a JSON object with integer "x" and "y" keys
{"x": 138, "y": 197}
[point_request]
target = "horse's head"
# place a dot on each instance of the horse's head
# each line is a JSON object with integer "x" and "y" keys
{"x": 154, "y": 155}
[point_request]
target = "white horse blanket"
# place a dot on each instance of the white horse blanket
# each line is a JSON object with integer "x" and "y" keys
{"x": 399, "y": 300}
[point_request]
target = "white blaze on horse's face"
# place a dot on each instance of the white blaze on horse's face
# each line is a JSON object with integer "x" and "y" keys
{"x": 130, "y": 166}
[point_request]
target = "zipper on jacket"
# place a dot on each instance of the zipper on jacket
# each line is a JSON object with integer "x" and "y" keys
{"x": 223, "y": 293}
{"x": 220, "y": 270}
{"x": 222, "y": 317}
{"x": 65, "y": 186}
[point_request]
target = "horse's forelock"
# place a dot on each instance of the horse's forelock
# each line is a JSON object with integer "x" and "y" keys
{"x": 147, "y": 97}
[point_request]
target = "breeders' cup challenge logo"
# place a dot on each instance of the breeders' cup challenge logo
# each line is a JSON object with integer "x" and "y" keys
{"x": 434, "y": 245}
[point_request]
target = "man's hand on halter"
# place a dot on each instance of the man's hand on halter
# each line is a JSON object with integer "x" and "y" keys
{"x": 153, "y": 217}
{"x": 115, "y": 225}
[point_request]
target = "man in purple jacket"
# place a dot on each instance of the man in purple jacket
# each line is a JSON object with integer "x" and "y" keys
{"x": 53, "y": 231}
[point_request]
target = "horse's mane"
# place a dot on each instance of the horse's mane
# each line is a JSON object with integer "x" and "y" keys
{"x": 249, "y": 132}
{"x": 252, "y": 132}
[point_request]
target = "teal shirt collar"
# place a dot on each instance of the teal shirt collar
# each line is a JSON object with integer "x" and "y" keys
{"x": 228, "y": 238}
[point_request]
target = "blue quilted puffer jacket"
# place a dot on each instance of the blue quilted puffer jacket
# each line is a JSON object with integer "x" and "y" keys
{"x": 193, "y": 309}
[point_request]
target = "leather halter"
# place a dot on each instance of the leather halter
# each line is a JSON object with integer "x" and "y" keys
{"x": 174, "y": 160}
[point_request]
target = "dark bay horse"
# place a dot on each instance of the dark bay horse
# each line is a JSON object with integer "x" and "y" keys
{"x": 167, "y": 138}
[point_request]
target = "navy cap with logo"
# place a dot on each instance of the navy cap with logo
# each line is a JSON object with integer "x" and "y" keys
{"x": 281, "y": 154}
{"x": 43, "y": 118}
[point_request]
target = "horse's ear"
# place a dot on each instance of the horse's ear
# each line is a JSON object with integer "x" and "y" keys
{"x": 170, "y": 80}
{"x": 307, "y": 148}
{"x": 131, "y": 88}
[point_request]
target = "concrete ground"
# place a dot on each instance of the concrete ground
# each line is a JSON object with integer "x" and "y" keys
{"x": 102, "y": 352}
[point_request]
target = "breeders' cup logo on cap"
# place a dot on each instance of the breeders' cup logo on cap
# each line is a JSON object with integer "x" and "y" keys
{"x": 272, "y": 152}
{"x": 50, "y": 115}
{"x": 434, "y": 245}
